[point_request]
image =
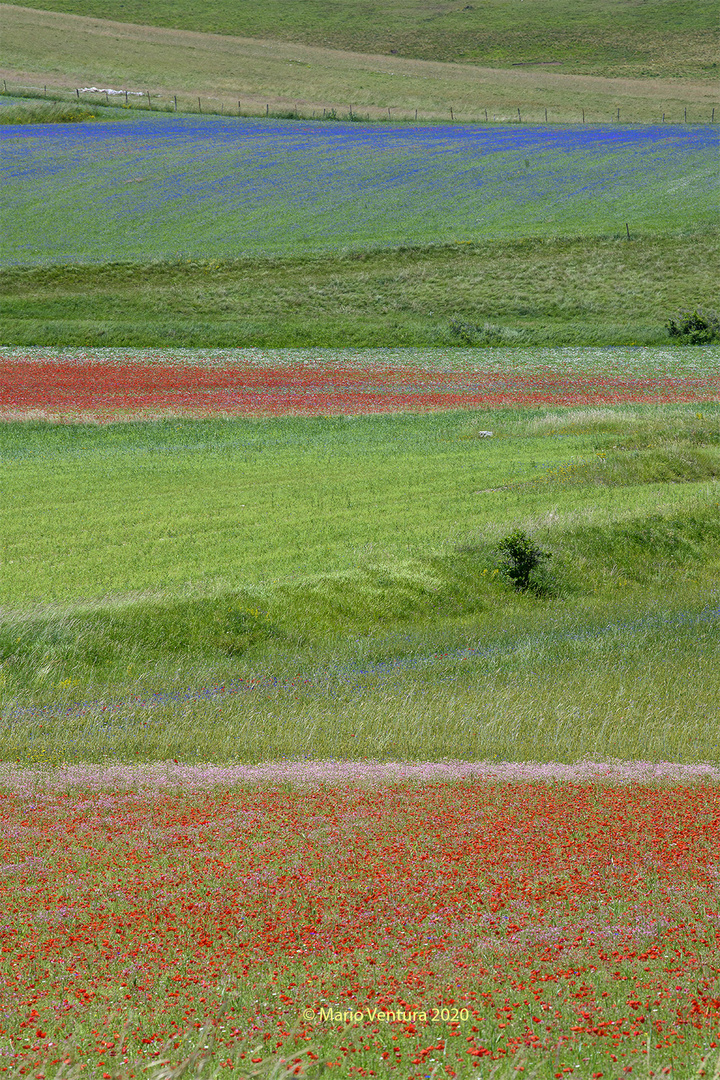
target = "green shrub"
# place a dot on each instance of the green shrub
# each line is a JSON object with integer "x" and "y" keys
{"x": 698, "y": 327}
{"x": 522, "y": 559}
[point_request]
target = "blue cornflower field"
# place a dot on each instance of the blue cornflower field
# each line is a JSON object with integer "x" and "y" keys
{"x": 217, "y": 187}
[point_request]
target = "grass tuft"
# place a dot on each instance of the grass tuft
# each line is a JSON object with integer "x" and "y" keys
{"x": 47, "y": 113}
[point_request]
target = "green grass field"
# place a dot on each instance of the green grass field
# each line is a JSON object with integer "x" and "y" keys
{"x": 651, "y": 61}
{"x": 600, "y": 38}
{"x": 604, "y": 291}
{"x": 349, "y": 570}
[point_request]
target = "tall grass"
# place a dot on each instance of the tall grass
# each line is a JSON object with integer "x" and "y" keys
{"x": 534, "y": 292}
{"x": 46, "y": 113}
{"x": 355, "y": 605}
{"x": 192, "y": 1055}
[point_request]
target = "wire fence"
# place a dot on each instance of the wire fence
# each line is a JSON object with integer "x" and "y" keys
{"x": 146, "y": 101}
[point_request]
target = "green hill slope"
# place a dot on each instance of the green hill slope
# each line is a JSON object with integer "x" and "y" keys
{"x": 178, "y": 67}
{"x": 602, "y": 37}
{"x": 564, "y": 292}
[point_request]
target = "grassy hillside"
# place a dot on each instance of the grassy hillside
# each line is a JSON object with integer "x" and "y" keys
{"x": 334, "y": 588}
{"x": 603, "y": 291}
{"x": 610, "y": 37}
{"x": 208, "y": 188}
{"x": 65, "y": 52}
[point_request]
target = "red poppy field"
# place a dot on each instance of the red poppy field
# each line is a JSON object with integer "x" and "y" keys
{"x": 107, "y": 390}
{"x": 435, "y": 929}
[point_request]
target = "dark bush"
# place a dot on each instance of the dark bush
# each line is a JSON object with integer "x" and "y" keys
{"x": 521, "y": 559}
{"x": 698, "y": 327}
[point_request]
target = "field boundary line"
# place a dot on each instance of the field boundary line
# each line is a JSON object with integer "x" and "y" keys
{"x": 164, "y": 775}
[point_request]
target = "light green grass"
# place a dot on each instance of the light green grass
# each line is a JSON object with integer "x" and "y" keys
{"x": 277, "y": 69}
{"x": 94, "y": 512}
{"x": 306, "y": 556}
{"x": 599, "y": 38}
{"x": 583, "y": 291}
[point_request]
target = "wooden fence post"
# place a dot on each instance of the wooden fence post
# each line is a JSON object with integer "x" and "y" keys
{"x": 546, "y": 116}
{"x": 175, "y": 100}
{"x": 416, "y": 115}
{"x": 712, "y": 118}
{"x": 77, "y": 93}
{"x": 148, "y": 97}
{"x": 618, "y": 116}
{"x": 451, "y": 113}
{"x": 583, "y": 112}
{"x": 519, "y": 117}
{"x": 388, "y": 112}
{"x": 686, "y": 115}
{"x": 486, "y": 116}
{"x": 627, "y": 230}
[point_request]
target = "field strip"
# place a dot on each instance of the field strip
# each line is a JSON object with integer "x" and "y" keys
{"x": 665, "y": 362}
{"x": 356, "y": 677}
{"x": 96, "y": 52}
{"x": 104, "y": 392}
{"x": 165, "y": 775}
